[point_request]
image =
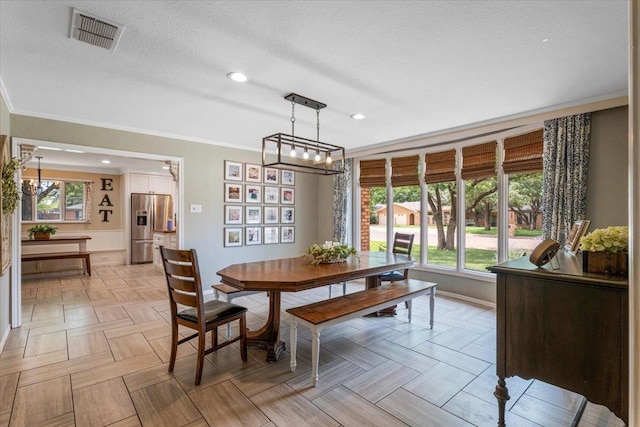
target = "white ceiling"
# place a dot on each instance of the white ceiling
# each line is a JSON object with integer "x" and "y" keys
{"x": 412, "y": 67}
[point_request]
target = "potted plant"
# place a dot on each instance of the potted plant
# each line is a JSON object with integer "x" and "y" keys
{"x": 42, "y": 231}
{"x": 606, "y": 250}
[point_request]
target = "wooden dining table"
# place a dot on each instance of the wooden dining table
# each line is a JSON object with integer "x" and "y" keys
{"x": 299, "y": 274}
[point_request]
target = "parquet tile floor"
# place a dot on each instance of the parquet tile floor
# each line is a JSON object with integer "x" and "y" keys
{"x": 94, "y": 352}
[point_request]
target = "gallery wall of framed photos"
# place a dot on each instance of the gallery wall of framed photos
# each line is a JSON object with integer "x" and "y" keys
{"x": 259, "y": 205}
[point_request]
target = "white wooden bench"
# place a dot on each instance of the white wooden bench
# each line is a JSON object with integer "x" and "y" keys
{"x": 323, "y": 314}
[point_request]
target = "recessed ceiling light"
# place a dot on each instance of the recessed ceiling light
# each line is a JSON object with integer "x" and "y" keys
{"x": 49, "y": 148}
{"x": 165, "y": 167}
{"x": 358, "y": 116}
{"x": 73, "y": 151}
{"x": 545, "y": 40}
{"x": 237, "y": 77}
{"x": 106, "y": 162}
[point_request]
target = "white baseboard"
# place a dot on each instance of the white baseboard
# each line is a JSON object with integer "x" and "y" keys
{"x": 5, "y": 336}
{"x": 466, "y": 298}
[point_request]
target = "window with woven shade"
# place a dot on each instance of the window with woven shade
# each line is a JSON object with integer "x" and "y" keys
{"x": 479, "y": 161}
{"x": 404, "y": 171}
{"x": 523, "y": 153}
{"x": 440, "y": 167}
{"x": 373, "y": 173}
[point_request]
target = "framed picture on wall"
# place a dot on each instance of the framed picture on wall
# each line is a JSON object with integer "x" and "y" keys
{"x": 254, "y": 215}
{"x": 288, "y": 196}
{"x": 271, "y": 235}
{"x": 232, "y": 214}
{"x": 233, "y": 193}
{"x": 288, "y": 177}
{"x": 254, "y": 193}
{"x": 271, "y": 195}
{"x": 288, "y": 215}
{"x": 253, "y": 173}
{"x": 578, "y": 230}
{"x": 233, "y": 237}
{"x": 287, "y": 234}
{"x": 271, "y": 214}
{"x": 253, "y": 236}
{"x": 232, "y": 171}
{"x": 271, "y": 175}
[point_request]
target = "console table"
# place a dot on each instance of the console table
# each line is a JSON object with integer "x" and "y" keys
{"x": 563, "y": 327}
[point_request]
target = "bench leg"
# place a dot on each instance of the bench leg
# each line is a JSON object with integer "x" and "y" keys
{"x": 293, "y": 342}
{"x": 87, "y": 261}
{"x": 432, "y": 304}
{"x": 315, "y": 356}
{"x": 409, "y": 304}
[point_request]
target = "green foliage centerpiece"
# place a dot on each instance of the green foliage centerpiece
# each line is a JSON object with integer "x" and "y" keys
{"x": 329, "y": 253}
{"x": 41, "y": 231}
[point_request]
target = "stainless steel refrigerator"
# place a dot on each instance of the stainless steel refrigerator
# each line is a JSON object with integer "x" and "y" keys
{"x": 149, "y": 213}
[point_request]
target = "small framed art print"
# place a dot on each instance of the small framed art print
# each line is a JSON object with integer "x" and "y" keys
{"x": 232, "y": 171}
{"x": 271, "y": 214}
{"x": 288, "y": 215}
{"x": 254, "y": 215}
{"x": 271, "y": 195}
{"x": 254, "y": 193}
{"x": 288, "y": 196}
{"x": 287, "y": 234}
{"x": 271, "y": 175}
{"x": 288, "y": 177}
{"x": 232, "y": 193}
{"x": 253, "y": 236}
{"x": 271, "y": 235}
{"x": 232, "y": 214}
{"x": 578, "y": 230}
{"x": 233, "y": 237}
{"x": 253, "y": 173}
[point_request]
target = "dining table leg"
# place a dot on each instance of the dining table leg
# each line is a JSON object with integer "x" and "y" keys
{"x": 374, "y": 282}
{"x": 267, "y": 336}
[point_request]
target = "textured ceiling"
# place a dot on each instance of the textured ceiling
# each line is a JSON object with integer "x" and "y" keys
{"x": 412, "y": 68}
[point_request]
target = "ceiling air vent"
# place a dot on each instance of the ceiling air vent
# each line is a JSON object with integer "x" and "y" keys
{"x": 96, "y": 31}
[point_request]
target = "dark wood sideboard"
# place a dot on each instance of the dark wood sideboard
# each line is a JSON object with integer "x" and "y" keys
{"x": 563, "y": 327}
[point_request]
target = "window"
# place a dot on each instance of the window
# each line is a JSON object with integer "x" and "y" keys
{"x": 523, "y": 163}
{"x": 440, "y": 177}
{"x": 405, "y": 180}
{"x": 59, "y": 201}
{"x": 373, "y": 205}
{"x": 470, "y": 213}
{"x": 481, "y": 202}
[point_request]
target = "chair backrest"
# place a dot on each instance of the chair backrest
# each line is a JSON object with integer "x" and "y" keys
{"x": 402, "y": 243}
{"x": 183, "y": 278}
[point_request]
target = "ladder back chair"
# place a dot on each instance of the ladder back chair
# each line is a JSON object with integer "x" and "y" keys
{"x": 402, "y": 244}
{"x": 185, "y": 289}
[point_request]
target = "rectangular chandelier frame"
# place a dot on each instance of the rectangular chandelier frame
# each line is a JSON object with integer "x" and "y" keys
{"x": 276, "y": 148}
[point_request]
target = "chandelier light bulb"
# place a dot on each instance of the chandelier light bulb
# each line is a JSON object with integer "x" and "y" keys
{"x": 317, "y": 157}
{"x": 328, "y": 159}
{"x": 293, "y": 152}
{"x": 305, "y": 155}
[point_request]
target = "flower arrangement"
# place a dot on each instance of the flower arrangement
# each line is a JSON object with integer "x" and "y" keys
{"x": 10, "y": 193}
{"x": 610, "y": 239}
{"x": 328, "y": 253}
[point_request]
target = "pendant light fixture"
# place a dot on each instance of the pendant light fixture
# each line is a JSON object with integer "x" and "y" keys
{"x": 30, "y": 188}
{"x": 323, "y": 162}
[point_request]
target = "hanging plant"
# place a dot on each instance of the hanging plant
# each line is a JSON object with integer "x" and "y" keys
{"x": 10, "y": 193}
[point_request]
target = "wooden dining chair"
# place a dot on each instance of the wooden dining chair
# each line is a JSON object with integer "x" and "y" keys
{"x": 185, "y": 289}
{"x": 402, "y": 244}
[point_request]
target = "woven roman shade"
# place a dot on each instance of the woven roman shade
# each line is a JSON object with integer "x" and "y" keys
{"x": 404, "y": 171}
{"x": 440, "y": 167}
{"x": 373, "y": 173}
{"x": 523, "y": 153}
{"x": 479, "y": 161}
